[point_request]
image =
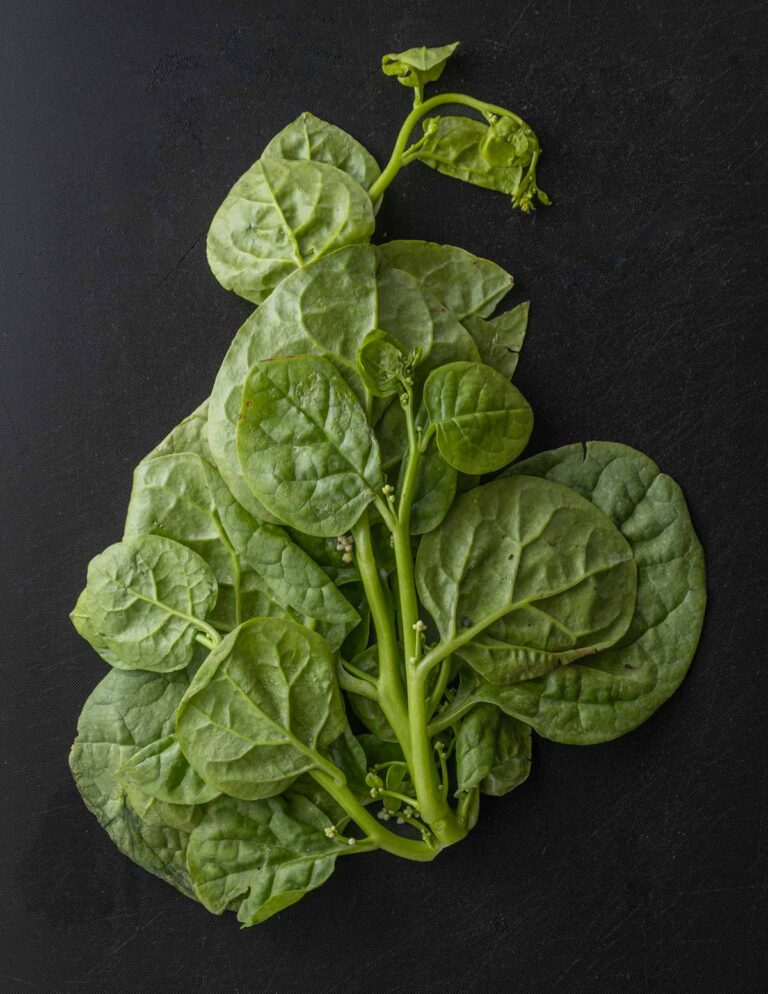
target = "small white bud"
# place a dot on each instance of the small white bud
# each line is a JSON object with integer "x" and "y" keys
{"x": 352, "y": 842}
{"x": 419, "y": 626}
{"x": 330, "y": 832}
{"x": 347, "y": 557}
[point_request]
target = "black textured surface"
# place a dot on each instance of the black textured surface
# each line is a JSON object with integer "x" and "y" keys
{"x": 635, "y": 866}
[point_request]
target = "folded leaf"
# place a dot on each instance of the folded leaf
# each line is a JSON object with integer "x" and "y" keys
{"x": 418, "y": 66}
{"x": 459, "y": 147}
{"x": 305, "y": 446}
{"x": 538, "y": 572}
{"x": 482, "y": 421}
{"x": 279, "y": 216}
{"x": 125, "y": 712}
{"x": 260, "y": 707}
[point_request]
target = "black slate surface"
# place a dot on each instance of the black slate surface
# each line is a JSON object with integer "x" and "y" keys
{"x": 635, "y": 866}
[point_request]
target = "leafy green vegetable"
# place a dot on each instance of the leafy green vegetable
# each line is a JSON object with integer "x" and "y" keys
{"x": 318, "y": 533}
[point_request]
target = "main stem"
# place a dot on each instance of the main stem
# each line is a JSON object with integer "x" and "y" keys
{"x": 392, "y": 168}
{"x": 433, "y": 807}
{"x": 391, "y": 694}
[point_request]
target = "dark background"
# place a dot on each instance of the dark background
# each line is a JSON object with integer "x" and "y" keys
{"x": 635, "y": 866}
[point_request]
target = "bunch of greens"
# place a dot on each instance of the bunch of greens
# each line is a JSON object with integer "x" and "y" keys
{"x": 319, "y": 547}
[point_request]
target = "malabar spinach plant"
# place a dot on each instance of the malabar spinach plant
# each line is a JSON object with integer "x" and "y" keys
{"x": 340, "y": 608}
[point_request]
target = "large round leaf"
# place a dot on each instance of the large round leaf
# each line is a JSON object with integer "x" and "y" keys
{"x": 305, "y": 446}
{"x": 279, "y": 216}
{"x": 536, "y": 572}
{"x": 260, "y": 707}
{"x": 147, "y": 599}
{"x": 618, "y": 689}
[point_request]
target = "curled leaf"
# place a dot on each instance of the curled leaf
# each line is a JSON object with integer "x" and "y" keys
{"x": 417, "y": 66}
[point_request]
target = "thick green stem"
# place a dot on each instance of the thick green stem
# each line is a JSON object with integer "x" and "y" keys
{"x": 395, "y": 163}
{"x": 433, "y": 806}
{"x": 390, "y": 685}
{"x": 375, "y": 831}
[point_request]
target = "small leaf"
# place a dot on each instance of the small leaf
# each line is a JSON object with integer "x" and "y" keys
{"x": 305, "y": 446}
{"x": 260, "y": 707}
{"x": 482, "y": 421}
{"x": 434, "y": 490}
{"x": 148, "y": 599}
{"x": 418, "y": 66}
{"x": 279, "y": 216}
{"x": 493, "y": 752}
{"x": 500, "y": 340}
{"x": 382, "y": 362}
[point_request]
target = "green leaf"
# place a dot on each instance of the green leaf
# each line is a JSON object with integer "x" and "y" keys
{"x": 493, "y": 752}
{"x": 618, "y": 689}
{"x": 537, "y": 571}
{"x": 161, "y": 770}
{"x": 328, "y": 308}
{"x": 310, "y": 138}
{"x": 279, "y": 216}
{"x": 348, "y": 754}
{"x": 464, "y": 283}
{"x": 159, "y": 814}
{"x": 418, "y": 66}
{"x": 260, "y": 707}
{"x": 260, "y": 857}
{"x": 378, "y": 751}
{"x": 148, "y": 598}
{"x": 125, "y": 712}
{"x": 433, "y": 493}
{"x": 499, "y": 341}
{"x": 305, "y": 446}
{"x": 482, "y": 421}
{"x": 471, "y": 151}
{"x": 85, "y": 627}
